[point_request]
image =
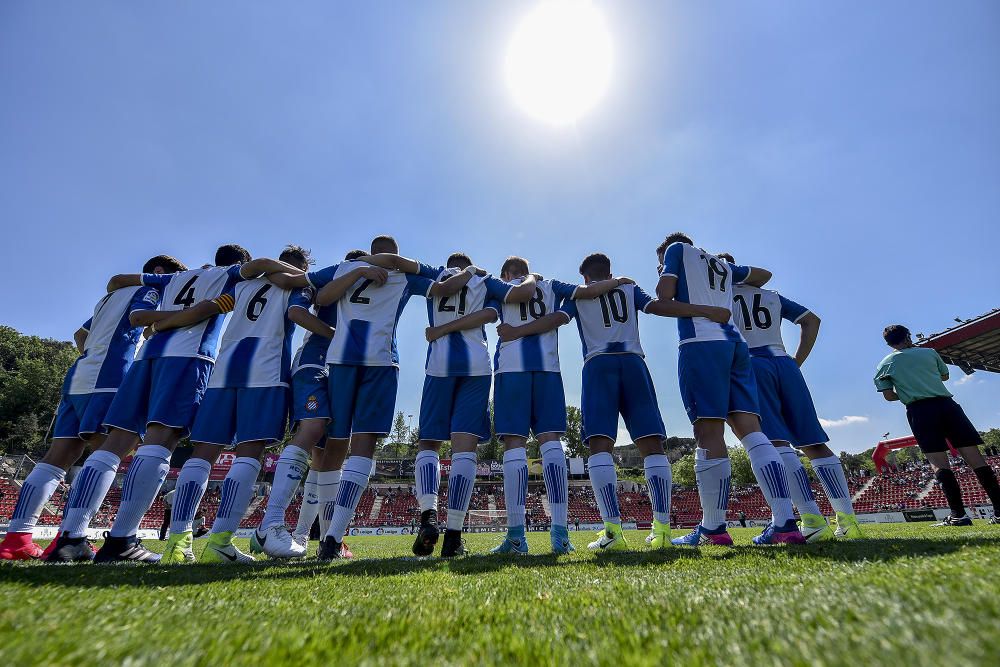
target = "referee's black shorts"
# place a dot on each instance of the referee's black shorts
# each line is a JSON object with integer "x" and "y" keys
{"x": 937, "y": 421}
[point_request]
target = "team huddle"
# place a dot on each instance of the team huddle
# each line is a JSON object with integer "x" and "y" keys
{"x": 154, "y": 370}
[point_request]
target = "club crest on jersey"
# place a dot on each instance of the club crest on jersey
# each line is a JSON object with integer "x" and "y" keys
{"x": 312, "y": 404}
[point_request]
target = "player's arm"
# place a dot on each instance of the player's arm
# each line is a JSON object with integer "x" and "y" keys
{"x": 808, "y": 332}
{"x": 453, "y": 284}
{"x": 392, "y": 262}
{"x": 335, "y": 290}
{"x": 542, "y": 325}
{"x": 197, "y": 313}
{"x": 80, "y": 338}
{"x": 288, "y": 281}
{"x": 594, "y": 290}
{"x": 264, "y": 266}
{"x": 674, "y": 308}
{"x": 309, "y": 322}
{"x": 890, "y": 395}
{"x": 471, "y": 321}
{"x": 523, "y": 292}
{"x": 757, "y": 277}
{"x": 146, "y": 318}
{"x": 124, "y": 280}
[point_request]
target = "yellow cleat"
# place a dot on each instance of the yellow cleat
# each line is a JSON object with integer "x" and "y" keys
{"x": 612, "y": 539}
{"x": 661, "y": 535}
{"x": 815, "y": 528}
{"x": 178, "y": 550}
{"x": 848, "y": 527}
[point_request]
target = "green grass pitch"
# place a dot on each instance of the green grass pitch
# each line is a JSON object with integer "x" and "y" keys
{"x": 910, "y": 595}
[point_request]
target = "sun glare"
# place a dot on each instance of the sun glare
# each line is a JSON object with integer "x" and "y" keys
{"x": 559, "y": 60}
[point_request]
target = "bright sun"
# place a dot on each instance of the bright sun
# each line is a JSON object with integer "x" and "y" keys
{"x": 559, "y": 60}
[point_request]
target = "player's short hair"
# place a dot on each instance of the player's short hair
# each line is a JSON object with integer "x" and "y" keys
{"x": 458, "y": 260}
{"x": 597, "y": 265}
{"x": 515, "y": 264}
{"x": 166, "y": 262}
{"x": 894, "y": 334}
{"x": 230, "y": 254}
{"x": 676, "y": 237}
{"x": 354, "y": 254}
{"x": 726, "y": 256}
{"x": 384, "y": 243}
{"x": 296, "y": 255}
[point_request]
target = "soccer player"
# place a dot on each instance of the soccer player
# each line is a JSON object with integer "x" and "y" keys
{"x": 717, "y": 386}
{"x": 160, "y": 393}
{"x": 106, "y": 343}
{"x": 363, "y": 371}
{"x": 455, "y": 400}
{"x": 246, "y": 403}
{"x": 616, "y": 382}
{"x": 915, "y": 376}
{"x": 787, "y": 414}
{"x": 310, "y": 415}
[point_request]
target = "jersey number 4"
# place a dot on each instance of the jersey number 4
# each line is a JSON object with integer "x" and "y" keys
{"x": 185, "y": 296}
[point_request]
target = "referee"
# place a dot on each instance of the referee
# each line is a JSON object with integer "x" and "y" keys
{"x": 915, "y": 376}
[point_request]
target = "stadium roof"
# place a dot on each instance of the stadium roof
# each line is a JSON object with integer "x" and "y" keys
{"x": 972, "y": 345}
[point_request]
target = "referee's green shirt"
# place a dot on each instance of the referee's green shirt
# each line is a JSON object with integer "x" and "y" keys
{"x": 914, "y": 373}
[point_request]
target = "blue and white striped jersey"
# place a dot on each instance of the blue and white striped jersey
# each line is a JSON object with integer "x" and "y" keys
{"x": 256, "y": 349}
{"x": 367, "y": 317}
{"x": 183, "y": 290}
{"x": 462, "y": 353}
{"x": 705, "y": 280}
{"x": 609, "y": 324}
{"x": 539, "y": 352}
{"x": 111, "y": 341}
{"x": 757, "y": 313}
{"x": 312, "y": 352}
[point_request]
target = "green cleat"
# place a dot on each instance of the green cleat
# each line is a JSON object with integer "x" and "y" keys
{"x": 848, "y": 527}
{"x": 178, "y": 550}
{"x": 221, "y": 550}
{"x": 815, "y": 528}
{"x": 612, "y": 539}
{"x": 661, "y": 535}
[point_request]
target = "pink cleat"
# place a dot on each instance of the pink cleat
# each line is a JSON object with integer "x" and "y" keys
{"x": 19, "y": 546}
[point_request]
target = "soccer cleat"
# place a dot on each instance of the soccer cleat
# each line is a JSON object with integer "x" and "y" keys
{"x": 994, "y": 520}
{"x": 65, "y": 549}
{"x": 560, "y": 541}
{"x": 49, "y": 549}
{"x": 815, "y": 529}
{"x": 612, "y": 539}
{"x": 178, "y": 550}
{"x": 276, "y": 542}
{"x": 650, "y": 537}
{"x": 330, "y": 549}
{"x": 512, "y": 544}
{"x": 345, "y": 551}
{"x": 19, "y": 546}
{"x": 302, "y": 540}
{"x": 124, "y": 549}
{"x": 661, "y": 535}
{"x": 427, "y": 536}
{"x": 848, "y": 527}
{"x": 703, "y": 536}
{"x": 453, "y": 545}
{"x": 220, "y": 549}
{"x": 953, "y": 520}
{"x": 787, "y": 534}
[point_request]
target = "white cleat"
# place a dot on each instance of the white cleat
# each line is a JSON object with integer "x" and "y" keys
{"x": 650, "y": 538}
{"x": 277, "y": 542}
{"x": 301, "y": 540}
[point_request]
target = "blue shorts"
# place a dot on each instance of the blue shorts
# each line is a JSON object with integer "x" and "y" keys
{"x": 362, "y": 399}
{"x": 455, "y": 405}
{"x": 529, "y": 402}
{"x": 309, "y": 395}
{"x": 82, "y": 415}
{"x": 165, "y": 390}
{"x": 716, "y": 379}
{"x": 616, "y": 384}
{"x": 786, "y": 407}
{"x": 233, "y": 415}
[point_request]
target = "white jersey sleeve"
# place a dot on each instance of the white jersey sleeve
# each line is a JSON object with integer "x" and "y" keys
{"x": 757, "y": 313}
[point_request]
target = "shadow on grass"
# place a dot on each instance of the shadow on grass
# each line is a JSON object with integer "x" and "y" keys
{"x": 129, "y": 575}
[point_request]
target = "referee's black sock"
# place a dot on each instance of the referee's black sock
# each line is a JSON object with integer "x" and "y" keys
{"x": 988, "y": 479}
{"x": 952, "y": 491}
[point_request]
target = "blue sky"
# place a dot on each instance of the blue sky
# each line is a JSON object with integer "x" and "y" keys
{"x": 853, "y": 149}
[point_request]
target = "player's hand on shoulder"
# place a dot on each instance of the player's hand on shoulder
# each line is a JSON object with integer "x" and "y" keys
{"x": 625, "y": 280}
{"x": 376, "y": 274}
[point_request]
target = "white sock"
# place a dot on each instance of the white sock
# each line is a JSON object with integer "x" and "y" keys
{"x": 659, "y": 478}
{"x": 799, "y": 488}
{"x": 310, "y": 505}
{"x": 515, "y": 485}
{"x": 327, "y": 486}
{"x": 89, "y": 489}
{"x": 604, "y": 480}
{"x": 143, "y": 480}
{"x": 428, "y": 473}
{"x": 190, "y": 489}
{"x": 771, "y": 476}
{"x": 831, "y": 476}
{"x": 237, "y": 490}
{"x": 36, "y": 490}
{"x": 714, "y": 477}
{"x": 353, "y": 482}
{"x": 555, "y": 473}
{"x": 461, "y": 481}
{"x": 289, "y": 471}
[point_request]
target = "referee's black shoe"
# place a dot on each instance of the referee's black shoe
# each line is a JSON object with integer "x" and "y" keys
{"x": 953, "y": 520}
